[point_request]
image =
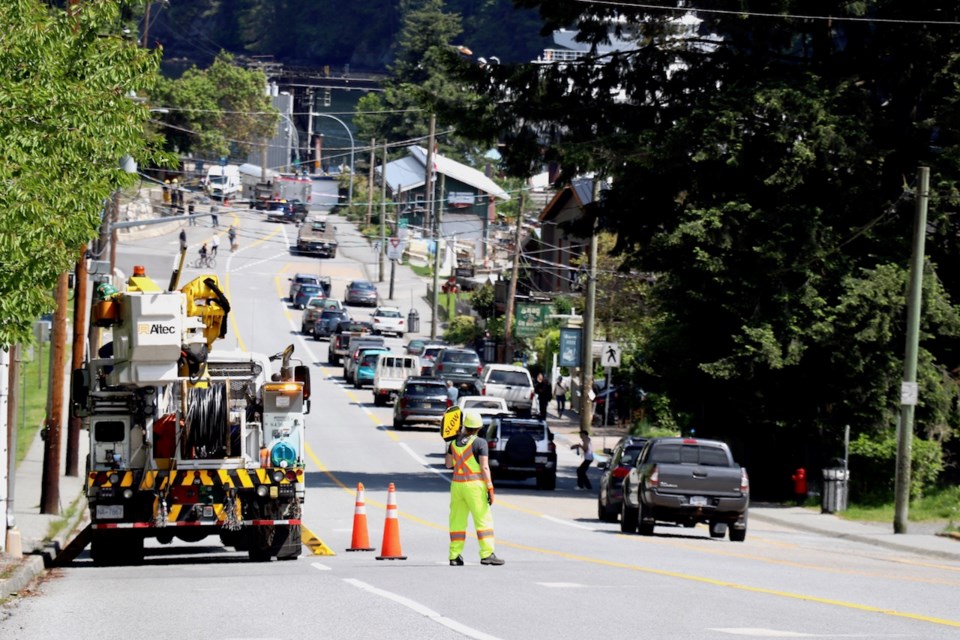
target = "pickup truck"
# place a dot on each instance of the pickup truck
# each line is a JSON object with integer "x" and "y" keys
{"x": 316, "y": 238}
{"x": 340, "y": 343}
{"x": 392, "y": 370}
{"x": 686, "y": 481}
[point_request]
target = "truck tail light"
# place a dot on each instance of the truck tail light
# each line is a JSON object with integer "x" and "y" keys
{"x": 531, "y": 394}
{"x": 552, "y": 447}
{"x": 492, "y": 443}
{"x": 483, "y": 391}
{"x": 621, "y": 472}
{"x": 479, "y": 370}
{"x": 449, "y": 403}
{"x": 654, "y": 479}
{"x": 744, "y": 481}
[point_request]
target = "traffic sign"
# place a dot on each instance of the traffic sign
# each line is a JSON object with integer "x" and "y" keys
{"x": 395, "y": 249}
{"x": 611, "y": 355}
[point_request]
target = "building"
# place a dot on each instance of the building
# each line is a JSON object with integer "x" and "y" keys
{"x": 557, "y": 247}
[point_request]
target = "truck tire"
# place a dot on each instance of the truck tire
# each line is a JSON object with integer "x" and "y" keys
{"x": 282, "y": 542}
{"x": 644, "y": 521}
{"x": 738, "y": 535}
{"x": 718, "y": 529}
{"x": 377, "y": 400}
{"x": 547, "y": 480}
{"x": 605, "y": 513}
{"x": 628, "y": 519}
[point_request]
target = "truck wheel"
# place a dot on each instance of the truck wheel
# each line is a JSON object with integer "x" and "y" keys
{"x": 377, "y": 400}
{"x": 547, "y": 480}
{"x": 644, "y": 523}
{"x": 605, "y": 513}
{"x": 718, "y": 529}
{"x": 303, "y": 329}
{"x": 628, "y": 519}
{"x": 739, "y": 534}
{"x": 397, "y": 424}
{"x": 356, "y": 383}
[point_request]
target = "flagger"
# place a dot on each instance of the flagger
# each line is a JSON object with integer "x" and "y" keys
{"x": 471, "y": 491}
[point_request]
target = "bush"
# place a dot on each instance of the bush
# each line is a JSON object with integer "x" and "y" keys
{"x": 873, "y": 472}
{"x": 462, "y": 330}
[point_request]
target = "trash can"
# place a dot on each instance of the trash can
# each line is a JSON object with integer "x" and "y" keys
{"x": 413, "y": 321}
{"x": 489, "y": 350}
{"x": 834, "y": 496}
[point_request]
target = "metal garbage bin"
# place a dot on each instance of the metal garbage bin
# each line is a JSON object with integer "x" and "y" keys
{"x": 834, "y": 495}
{"x": 413, "y": 321}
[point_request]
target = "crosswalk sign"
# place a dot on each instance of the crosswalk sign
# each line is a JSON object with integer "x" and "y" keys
{"x": 611, "y": 355}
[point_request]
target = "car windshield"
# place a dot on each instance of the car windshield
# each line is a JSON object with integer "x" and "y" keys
{"x": 513, "y": 378}
{"x": 309, "y": 289}
{"x": 425, "y": 389}
{"x": 367, "y": 286}
{"x": 369, "y": 359}
{"x": 431, "y": 352}
{"x": 331, "y": 314}
{"x": 461, "y": 357}
{"x": 316, "y": 302}
{"x": 532, "y": 428}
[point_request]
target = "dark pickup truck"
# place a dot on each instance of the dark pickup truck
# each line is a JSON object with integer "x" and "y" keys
{"x": 686, "y": 481}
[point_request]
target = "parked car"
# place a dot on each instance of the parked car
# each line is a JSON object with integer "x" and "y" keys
{"x": 388, "y": 320}
{"x": 623, "y": 457}
{"x": 486, "y": 406}
{"x": 454, "y": 363}
{"x": 304, "y": 293}
{"x": 686, "y": 481}
{"x": 392, "y": 370}
{"x": 366, "y": 367}
{"x": 326, "y": 324}
{"x": 361, "y": 292}
{"x": 417, "y": 346}
{"x": 510, "y": 382}
{"x": 522, "y": 448}
{"x": 421, "y": 400}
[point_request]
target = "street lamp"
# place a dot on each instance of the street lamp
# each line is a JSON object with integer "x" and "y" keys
{"x": 349, "y": 135}
{"x": 296, "y": 137}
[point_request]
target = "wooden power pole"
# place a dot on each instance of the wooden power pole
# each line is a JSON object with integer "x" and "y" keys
{"x": 50, "y": 479}
{"x": 512, "y": 290}
{"x": 79, "y": 340}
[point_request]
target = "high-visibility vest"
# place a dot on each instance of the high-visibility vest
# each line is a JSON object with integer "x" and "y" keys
{"x": 466, "y": 468}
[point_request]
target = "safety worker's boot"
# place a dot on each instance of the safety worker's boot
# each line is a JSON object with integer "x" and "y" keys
{"x": 457, "y": 562}
{"x": 492, "y": 559}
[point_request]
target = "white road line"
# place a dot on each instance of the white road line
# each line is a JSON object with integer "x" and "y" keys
{"x": 568, "y": 523}
{"x": 254, "y": 263}
{"x": 424, "y": 463}
{"x": 321, "y": 567}
{"x": 764, "y": 633}
{"x": 470, "y": 632}
{"x": 561, "y": 585}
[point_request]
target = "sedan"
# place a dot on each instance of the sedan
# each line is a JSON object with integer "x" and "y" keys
{"x": 421, "y": 400}
{"x": 361, "y": 292}
{"x": 304, "y": 293}
{"x": 623, "y": 457}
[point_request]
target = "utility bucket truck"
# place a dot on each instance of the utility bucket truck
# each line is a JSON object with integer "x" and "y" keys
{"x": 187, "y": 442}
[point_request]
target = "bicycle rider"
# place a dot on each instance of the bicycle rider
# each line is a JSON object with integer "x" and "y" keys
{"x": 203, "y": 253}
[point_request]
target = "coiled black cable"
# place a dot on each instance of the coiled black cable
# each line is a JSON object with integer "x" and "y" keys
{"x": 207, "y": 421}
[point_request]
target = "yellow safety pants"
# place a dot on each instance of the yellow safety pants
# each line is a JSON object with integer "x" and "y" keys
{"x": 470, "y": 497}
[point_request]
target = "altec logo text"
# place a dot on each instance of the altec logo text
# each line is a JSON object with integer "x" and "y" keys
{"x": 147, "y": 328}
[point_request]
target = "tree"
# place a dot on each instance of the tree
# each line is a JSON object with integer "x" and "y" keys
{"x": 761, "y": 167}
{"x": 65, "y": 123}
{"x": 218, "y": 111}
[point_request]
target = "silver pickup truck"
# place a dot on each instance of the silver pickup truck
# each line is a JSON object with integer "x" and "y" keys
{"x": 686, "y": 481}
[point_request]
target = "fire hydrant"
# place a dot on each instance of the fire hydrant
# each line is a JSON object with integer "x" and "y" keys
{"x": 800, "y": 485}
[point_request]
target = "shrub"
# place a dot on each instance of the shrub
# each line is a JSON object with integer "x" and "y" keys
{"x": 462, "y": 330}
{"x": 873, "y": 471}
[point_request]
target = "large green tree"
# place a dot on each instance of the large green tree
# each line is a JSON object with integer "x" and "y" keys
{"x": 222, "y": 110}
{"x": 762, "y": 165}
{"x": 66, "y": 120}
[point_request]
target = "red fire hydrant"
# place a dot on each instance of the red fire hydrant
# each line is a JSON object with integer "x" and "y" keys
{"x": 800, "y": 485}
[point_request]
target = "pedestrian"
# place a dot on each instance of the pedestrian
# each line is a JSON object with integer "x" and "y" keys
{"x": 585, "y": 449}
{"x": 452, "y": 393}
{"x": 799, "y": 478}
{"x": 214, "y": 215}
{"x": 214, "y": 244}
{"x": 560, "y": 392}
{"x": 183, "y": 240}
{"x": 471, "y": 491}
{"x": 192, "y": 216}
{"x": 543, "y": 392}
{"x": 232, "y": 235}
{"x": 203, "y": 255}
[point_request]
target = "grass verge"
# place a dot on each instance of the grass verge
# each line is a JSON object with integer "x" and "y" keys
{"x": 940, "y": 504}
{"x": 65, "y": 519}
{"x": 32, "y": 390}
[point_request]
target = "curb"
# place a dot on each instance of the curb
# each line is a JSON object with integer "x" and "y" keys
{"x": 25, "y": 572}
{"x": 930, "y": 553}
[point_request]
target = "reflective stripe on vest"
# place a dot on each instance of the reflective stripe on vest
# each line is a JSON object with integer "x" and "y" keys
{"x": 466, "y": 468}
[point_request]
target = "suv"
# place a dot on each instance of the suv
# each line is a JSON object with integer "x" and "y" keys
{"x": 522, "y": 448}
{"x": 420, "y": 400}
{"x": 326, "y": 324}
{"x": 388, "y": 320}
{"x": 511, "y": 383}
{"x": 428, "y": 358}
{"x": 623, "y": 457}
{"x": 313, "y": 310}
{"x": 455, "y": 364}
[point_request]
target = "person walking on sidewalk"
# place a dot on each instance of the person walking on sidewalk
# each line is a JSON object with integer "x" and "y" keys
{"x": 214, "y": 244}
{"x": 560, "y": 392}
{"x": 585, "y": 449}
{"x": 471, "y": 491}
{"x": 543, "y": 393}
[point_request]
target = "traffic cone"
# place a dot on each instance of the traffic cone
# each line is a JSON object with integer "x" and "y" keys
{"x": 390, "y": 549}
{"x": 360, "y": 540}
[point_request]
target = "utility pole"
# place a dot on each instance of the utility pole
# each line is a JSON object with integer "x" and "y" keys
{"x": 114, "y": 218}
{"x": 50, "y": 483}
{"x": 908, "y": 391}
{"x": 586, "y": 353}
{"x": 373, "y": 159}
{"x": 79, "y": 335}
{"x": 12, "y": 534}
{"x": 6, "y": 469}
{"x": 146, "y": 25}
{"x": 512, "y": 290}
{"x": 428, "y": 218}
{"x": 383, "y": 213}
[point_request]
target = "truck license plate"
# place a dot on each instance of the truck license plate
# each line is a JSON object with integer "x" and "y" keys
{"x": 109, "y": 511}
{"x": 540, "y": 459}
{"x": 698, "y": 501}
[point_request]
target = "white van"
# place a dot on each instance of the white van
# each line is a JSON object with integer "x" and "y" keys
{"x": 392, "y": 370}
{"x": 223, "y": 182}
{"x": 511, "y": 383}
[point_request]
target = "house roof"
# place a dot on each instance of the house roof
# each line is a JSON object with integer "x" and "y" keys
{"x": 409, "y": 173}
{"x": 580, "y": 189}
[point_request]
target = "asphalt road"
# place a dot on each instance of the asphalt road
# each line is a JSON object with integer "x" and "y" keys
{"x": 567, "y": 574}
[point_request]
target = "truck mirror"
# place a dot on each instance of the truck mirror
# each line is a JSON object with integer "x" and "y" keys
{"x": 301, "y": 373}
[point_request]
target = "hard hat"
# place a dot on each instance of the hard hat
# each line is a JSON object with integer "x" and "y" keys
{"x": 472, "y": 420}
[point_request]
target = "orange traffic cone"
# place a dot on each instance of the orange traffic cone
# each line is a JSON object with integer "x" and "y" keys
{"x": 390, "y": 549}
{"x": 360, "y": 541}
